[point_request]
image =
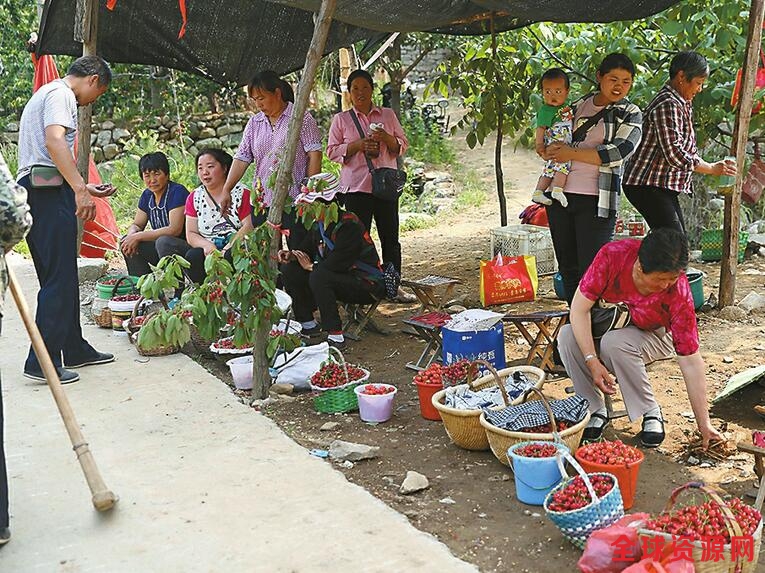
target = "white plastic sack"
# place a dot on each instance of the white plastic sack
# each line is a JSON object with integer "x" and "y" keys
{"x": 298, "y": 366}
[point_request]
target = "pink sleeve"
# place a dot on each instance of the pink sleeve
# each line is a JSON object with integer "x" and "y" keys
{"x": 398, "y": 133}
{"x": 595, "y": 280}
{"x": 682, "y": 322}
{"x": 336, "y": 145}
{"x": 310, "y": 136}
{"x": 244, "y": 153}
{"x": 245, "y": 208}
{"x": 190, "y": 210}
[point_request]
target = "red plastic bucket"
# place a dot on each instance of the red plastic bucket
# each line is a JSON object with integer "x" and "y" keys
{"x": 626, "y": 475}
{"x": 425, "y": 392}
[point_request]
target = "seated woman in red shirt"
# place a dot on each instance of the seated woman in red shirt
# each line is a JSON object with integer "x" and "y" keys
{"x": 648, "y": 276}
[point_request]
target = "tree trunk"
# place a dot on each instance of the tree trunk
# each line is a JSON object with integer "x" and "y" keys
{"x": 738, "y": 148}
{"x": 261, "y": 377}
{"x": 155, "y": 87}
{"x": 86, "y": 26}
{"x": 499, "y": 105}
{"x": 396, "y": 79}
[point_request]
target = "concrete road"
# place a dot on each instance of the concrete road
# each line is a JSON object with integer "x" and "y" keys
{"x": 205, "y": 483}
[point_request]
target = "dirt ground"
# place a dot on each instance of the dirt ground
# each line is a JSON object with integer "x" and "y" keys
{"x": 470, "y": 504}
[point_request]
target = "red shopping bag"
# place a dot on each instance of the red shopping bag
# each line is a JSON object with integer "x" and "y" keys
{"x": 759, "y": 84}
{"x": 508, "y": 279}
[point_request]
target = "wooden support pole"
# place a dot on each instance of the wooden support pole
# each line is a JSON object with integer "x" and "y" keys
{"x": 738, "y": 148}
{"x": 345, "y": 71}
{"x": 89, "y": 29}
{"x": 261, "y": 377}
{"x": 85, "y": 31}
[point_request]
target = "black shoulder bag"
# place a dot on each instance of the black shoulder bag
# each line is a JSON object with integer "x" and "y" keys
{"x": 606, "y": 317}
{"x": 581, "y": 132}
{"x": 387, "y": 183}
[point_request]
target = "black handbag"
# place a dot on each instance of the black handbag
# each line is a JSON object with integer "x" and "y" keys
{"x": 387, "y": 182}
{"x": 605, "y": 319}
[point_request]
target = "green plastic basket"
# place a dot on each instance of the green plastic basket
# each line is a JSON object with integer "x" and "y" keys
{"x": 337, "y": 400}
{"x": 712, "y": 243}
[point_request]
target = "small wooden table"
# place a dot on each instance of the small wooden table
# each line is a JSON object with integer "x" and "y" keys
{"x": 548, "y": 325}
{"x": 428, "y": 328}
{"x": 759, "y": 469}
{"x": 426, "y": 291}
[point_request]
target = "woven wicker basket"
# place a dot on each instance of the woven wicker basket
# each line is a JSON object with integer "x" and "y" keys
{"x": 463, "y": 426}
{"x": 577, "y": 525}
{"x": 163, "y": 350}
{"x": 726, "y": 564}
{"x": 500, "y": 440}
{"x": 101, "y": 313}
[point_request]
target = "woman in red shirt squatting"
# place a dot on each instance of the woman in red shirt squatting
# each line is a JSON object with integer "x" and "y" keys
{"x": 648, "y": 276}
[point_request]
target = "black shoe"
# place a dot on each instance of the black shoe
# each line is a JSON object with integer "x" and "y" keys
{"x": 341, "y": 346}
{"x": 99, "y": 358}
{"x": 652, "y": 439}
{"x": 594, "y": 432}
{"x": 66, "y": 376}
{"x": 312, "y": 332}
{"x": 5, "y": 535}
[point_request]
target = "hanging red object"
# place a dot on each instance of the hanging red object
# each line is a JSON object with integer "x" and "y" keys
{"x": 99, "y": 235}
{"x": 110, "y": 4}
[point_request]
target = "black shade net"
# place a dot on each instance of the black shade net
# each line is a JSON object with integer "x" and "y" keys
{"x": 228, "y": 41}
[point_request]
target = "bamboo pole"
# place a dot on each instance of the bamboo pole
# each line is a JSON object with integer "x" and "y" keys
{"x": 738, "y": 148}
{"x": 345, "y": 71}
{"x": 261, "y": 377}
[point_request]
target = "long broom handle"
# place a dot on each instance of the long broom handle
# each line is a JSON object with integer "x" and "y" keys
{"x": 103, "y": 498}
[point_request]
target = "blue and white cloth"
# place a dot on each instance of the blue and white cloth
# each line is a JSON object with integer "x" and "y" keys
{"x": 534, "y": 413}
{"x": 463, "y": 398}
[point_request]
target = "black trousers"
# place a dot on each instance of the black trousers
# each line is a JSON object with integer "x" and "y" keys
{"x": 145, "y": 255}
{"x": 323, "y": 288}
{"x": 577, "y": 235}
{"x": 385, "y": 213}
{"x": 53, "y": 244}
{"x": 196, "y": 256}
{"x": 660, "y": 207}
{"x": 149, "y": 253}
{"x": 4, "y": 517}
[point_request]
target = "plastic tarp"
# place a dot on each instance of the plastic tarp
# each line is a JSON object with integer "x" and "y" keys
{"x": 100, "y": 234}
{"x": 229, "y": 41}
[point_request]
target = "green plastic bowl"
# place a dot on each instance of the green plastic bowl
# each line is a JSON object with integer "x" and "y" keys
{"x": 126, "y": 287}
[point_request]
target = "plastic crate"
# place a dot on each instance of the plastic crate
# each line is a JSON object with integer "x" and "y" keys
{"x": 712, "y": 243}
{"x": 516, "y": 240}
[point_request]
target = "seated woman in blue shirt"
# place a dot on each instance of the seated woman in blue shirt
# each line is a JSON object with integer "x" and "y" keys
{"x": 161, "y": 205}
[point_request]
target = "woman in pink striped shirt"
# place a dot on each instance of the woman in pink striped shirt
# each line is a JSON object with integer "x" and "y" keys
{"x": 263, "y": 142}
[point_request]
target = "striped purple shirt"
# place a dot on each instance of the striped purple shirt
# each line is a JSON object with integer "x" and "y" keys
{"x": 264, "y": 145}
{"x": 668, "y": 154}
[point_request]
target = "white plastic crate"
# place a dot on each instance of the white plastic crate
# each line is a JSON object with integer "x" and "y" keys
{"x": 516, "y": 240}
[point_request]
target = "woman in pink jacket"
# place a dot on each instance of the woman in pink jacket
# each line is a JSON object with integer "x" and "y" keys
{"x": 380, "y": 138}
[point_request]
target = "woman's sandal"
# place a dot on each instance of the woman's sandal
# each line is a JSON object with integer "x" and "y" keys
{"x": 652, "y": 439}
{"x": 595, "y": 431}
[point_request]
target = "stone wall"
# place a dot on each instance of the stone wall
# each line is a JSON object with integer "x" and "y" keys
{"x": 108, "y": 140}
{"x": 425, "y": 71}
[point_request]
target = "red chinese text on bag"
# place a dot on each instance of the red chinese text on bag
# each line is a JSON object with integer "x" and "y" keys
{"x": 669, "y": 561}
{"x": 613, "y": 548}
{"x": 759, "y": 84}
{"x": 508, "y": 279}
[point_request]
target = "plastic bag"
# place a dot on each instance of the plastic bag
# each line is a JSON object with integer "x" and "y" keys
{"x": 508, "y": 279}
{"x": 669, "y": 563}
{"x": 298, "y": 366}
{"x": 613, "y": 548}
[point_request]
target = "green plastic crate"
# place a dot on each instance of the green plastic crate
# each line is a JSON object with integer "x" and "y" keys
{"x": 712, "y": 243}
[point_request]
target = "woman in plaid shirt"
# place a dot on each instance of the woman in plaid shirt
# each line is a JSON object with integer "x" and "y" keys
{"x": 664, "y": 164}
{"x": 607, "y": 130}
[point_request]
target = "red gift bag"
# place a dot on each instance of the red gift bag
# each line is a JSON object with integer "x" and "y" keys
{"x": 508, "y": 279}
{"x": 759, "y": 84}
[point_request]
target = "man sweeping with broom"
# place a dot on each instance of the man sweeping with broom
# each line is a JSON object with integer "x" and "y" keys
{"x": 15, "y": 222}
